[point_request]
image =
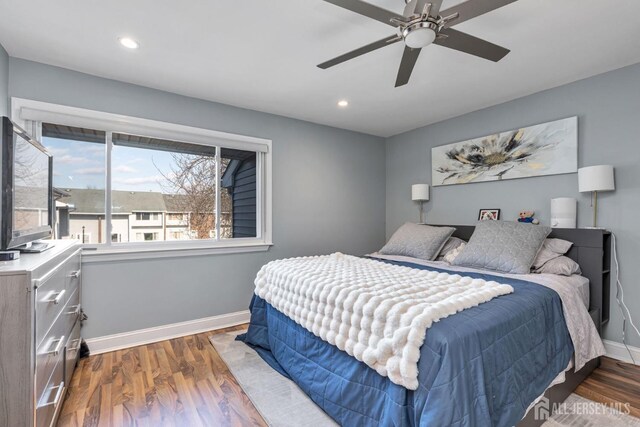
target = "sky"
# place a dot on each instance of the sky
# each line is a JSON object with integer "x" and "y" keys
{"x": 78, "y": 164}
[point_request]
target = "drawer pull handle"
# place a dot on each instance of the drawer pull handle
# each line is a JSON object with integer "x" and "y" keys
{"x": 56, "y": 399}
{"x": 75, "y": 274}
{"x": 75, "y": 310}
{"x": 58, "y": 347}
{"x": 38, "y": 282}
{"x": 76, "y": 344}
{"x": 57, "y": 298}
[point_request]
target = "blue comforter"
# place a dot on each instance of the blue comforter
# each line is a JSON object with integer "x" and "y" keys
{"x": 481, "y": 367}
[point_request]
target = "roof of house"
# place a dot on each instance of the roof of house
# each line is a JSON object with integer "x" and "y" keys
{"x": 87, "y": 200}
{"x": 175, "y": 203}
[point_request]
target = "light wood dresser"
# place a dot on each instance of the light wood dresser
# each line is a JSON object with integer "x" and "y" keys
{"x": 39, "y": 333}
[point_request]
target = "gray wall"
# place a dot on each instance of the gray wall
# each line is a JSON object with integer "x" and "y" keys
{"x": 328, "y": 195}
{"x": 4, "y": 81}
{"x": 607, "y": 107}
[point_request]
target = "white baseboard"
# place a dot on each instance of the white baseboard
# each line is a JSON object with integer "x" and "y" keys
{"x": 165, "y": 332}
{"x": 616, "y": 350}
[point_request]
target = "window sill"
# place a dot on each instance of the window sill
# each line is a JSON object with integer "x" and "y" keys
{"x": 111, "y": 254}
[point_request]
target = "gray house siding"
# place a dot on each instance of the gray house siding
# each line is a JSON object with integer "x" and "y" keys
{"x": 243, "y": 194}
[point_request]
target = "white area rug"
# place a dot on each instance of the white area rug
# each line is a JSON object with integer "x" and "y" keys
{"x": 282, "y": 403}
{"x": 279, "y": 400}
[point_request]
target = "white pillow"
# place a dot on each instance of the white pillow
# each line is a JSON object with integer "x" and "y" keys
{"x": 452, "y": 255}
{"x": 450, "y": 245}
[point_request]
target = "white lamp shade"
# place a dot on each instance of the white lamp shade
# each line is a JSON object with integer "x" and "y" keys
{"x": 564, "y": 212}
{"x": 596, "y": 178}
{"x": 420, "y": 192}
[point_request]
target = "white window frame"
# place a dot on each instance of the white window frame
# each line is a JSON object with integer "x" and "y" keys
{"x": 31, "y": 114}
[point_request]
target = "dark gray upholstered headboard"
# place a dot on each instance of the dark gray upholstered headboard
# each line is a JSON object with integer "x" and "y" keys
{"x": 591, "y": 250}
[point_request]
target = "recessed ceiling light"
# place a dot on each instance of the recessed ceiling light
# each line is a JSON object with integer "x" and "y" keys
{"x": 343, "y": 103}
{"x": 129, "y": 43}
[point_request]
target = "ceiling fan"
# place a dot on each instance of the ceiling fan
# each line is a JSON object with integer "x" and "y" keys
{"x": 421, "y": 24}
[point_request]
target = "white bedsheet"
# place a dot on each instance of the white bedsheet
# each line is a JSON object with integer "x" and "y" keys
{"x": 587, "y": 343}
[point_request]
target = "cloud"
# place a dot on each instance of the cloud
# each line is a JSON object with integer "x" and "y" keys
{"x": 141, "y": 180}
{"x": 94, "y": 149}
{"x": 90, "y": 171}
{"x": 68, "y": 159}
{"x": 125, "y": 169}
{"x": 57, "y": 151}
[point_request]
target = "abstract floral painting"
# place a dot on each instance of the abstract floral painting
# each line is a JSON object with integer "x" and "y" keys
{"x": 545, "y": 149}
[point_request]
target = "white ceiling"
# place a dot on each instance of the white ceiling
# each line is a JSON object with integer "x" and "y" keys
{"x": 262, "y": 54}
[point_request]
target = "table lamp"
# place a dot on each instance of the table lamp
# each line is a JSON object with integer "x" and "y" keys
{"x": 594, "y": 179}
{"x": 420, "y": 194}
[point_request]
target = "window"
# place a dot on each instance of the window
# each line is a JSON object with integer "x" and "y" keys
{"x": 125, "y": 180}
{"x": 175, "y": 217}
{"x": 150, "y": 236}
{"x": 176, "y": 235}
{"x": 146, "y": 216}
{"x": 84, "y": 238}
{"x": 79, "y": 178}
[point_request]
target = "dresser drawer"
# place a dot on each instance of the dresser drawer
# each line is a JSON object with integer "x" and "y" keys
{"x": 49, "y": 401}
{"x": 53, "y": 344}
{"x": 72, "y": 353}
{"x": 74, "y": 273}
{"x": 53, "y": 291}
{"x": 71, "y": 312}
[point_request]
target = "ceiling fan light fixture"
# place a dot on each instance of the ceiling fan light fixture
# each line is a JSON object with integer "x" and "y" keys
{"x": 419, "y": 35}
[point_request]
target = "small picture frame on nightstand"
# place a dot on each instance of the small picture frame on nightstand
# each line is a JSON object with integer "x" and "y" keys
{"x": 489, "y": 215}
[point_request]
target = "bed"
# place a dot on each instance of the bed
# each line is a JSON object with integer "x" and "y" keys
{"x": 485, "y": 365}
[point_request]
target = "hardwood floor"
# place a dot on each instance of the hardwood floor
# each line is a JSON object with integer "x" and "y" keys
{"x": 184, "y": 382}
{"x": 613, "y": 383}
{"x": 180, "y": 382}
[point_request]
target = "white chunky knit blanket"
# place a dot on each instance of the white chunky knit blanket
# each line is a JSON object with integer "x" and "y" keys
{"x": 378, "y": 313}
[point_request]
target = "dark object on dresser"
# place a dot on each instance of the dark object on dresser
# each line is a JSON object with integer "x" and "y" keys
{"x": 84, "y": 350}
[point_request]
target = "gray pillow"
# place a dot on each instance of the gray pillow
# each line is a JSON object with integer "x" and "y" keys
{"x": 450, "y": 245}
{"x": 562, "y": 265}
{"x": 508, "y": 247}
{"x": 551, "y": 249}
{"x": 417, "y": 241}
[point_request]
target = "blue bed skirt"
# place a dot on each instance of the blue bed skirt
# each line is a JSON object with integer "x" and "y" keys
{"x": 481, "y": 367}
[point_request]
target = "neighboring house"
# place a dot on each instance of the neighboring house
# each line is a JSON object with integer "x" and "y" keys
{"x": 136, "y": 217}
{"x": 177, "y": 218}
{"x": 240, "y": 181}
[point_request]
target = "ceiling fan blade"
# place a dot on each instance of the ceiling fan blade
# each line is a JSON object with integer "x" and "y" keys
{"x": 409, "y": 58}
{"x": 472, "y": 8}
{"x": 361, "y": 51}
{"x": 472, "y": 45}
{"x": 369, "y": 10}
{"x": 435, "y": 7}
